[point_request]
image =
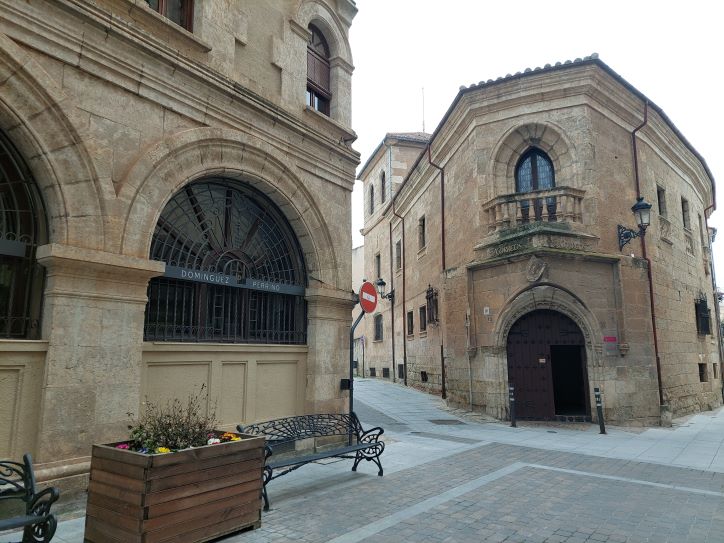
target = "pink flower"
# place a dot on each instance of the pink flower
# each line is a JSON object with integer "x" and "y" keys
{"x": 122, "y": 446}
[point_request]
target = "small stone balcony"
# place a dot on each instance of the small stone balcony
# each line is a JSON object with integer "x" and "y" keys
{"x": 559, "y": 204}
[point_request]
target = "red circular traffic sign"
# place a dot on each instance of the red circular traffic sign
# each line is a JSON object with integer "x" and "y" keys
{"x": 368, "y": 297}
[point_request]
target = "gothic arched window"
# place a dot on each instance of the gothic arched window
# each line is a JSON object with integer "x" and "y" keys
{"x": 534, "y": 172}
{"x": 318, "y": 81}
{"x": 234, "y": 269}
{"x": 22, "y": 230}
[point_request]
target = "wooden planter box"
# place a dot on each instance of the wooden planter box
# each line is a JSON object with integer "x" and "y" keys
{"x": 193, "y": 495}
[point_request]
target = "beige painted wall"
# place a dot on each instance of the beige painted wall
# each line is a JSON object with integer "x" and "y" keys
{"x": 245, "y": 383}
{"x": 22, "y": 374}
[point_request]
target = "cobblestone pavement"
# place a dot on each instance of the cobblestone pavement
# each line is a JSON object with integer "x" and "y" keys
{"x": 450, "y": 477}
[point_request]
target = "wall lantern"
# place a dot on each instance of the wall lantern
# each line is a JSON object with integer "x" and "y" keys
{"x": 381, "y": 288}
{"x": 642, "y": 211}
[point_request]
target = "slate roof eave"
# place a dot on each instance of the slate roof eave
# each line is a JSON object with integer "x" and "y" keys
{"x": 591, "y": 59}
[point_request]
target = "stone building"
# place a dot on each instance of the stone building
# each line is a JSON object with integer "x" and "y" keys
{"x": 499, "y": 239}
{"x": 175, "y": 190}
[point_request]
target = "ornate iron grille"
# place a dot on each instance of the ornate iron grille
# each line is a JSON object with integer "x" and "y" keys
{"x": 228, "y": 229}
{"x": 22, "y": 229}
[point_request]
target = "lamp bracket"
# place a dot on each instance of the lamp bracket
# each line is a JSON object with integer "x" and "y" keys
{"x": 626, "y": 234}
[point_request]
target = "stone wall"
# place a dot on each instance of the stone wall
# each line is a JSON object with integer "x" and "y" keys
{"x": 114, "y": 109}
{"x": 496, "y": 269}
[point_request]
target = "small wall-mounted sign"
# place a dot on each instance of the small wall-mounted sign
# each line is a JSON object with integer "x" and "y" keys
{"x": 215, "y": 278}
{"x": 610, "y": 344}
{"x": 541, "y": 360}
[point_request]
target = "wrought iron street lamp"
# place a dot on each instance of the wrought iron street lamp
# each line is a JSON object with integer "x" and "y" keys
{"x": 382, "y": 287}
{"x": 642, "y": 211}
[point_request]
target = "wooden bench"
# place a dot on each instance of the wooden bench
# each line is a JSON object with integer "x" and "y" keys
{"x": 17, "y": 482}
{"x": 282, "y": 435}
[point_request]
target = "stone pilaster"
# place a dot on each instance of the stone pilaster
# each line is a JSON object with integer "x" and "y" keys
{"x": 93, "y": 321}
{"x": 329, "y": 321}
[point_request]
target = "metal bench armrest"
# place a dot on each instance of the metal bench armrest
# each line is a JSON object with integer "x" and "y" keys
{"x": 371, "y": 435}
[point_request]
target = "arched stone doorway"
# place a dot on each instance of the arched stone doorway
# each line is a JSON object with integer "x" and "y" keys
{"x": 547, "y": 367}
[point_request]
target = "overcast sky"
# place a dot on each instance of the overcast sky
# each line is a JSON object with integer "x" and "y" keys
{"x": 672, "y": 52}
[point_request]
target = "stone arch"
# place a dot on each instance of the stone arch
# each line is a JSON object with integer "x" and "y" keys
{"x": 330, "y": 25}
{"x": 545, "y": 136}
{"x": 204, "y": 152}
{"x": 557, "y": 298}
{"x": 548, "y": 296}
{"x": 33, "y": 115}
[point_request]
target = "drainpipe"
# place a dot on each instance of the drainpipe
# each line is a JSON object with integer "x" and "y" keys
{"x": 645, "y": 256}
{"x": 404, "y": 296}
{"x": 714, "y": 289}
{"x": 392, "y": 306}
{"x": 392, "y": 272}
{"x": 442, "y": 205}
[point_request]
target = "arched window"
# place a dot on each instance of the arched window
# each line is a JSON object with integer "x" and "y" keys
{"x": 22, "y": 229}
{"x": 534, "y": 172}
{"x": 318, "y": 88}
{"x": 234, "y": 269}
{"x": 383, "y": 188}
{"x": 372, "y": 199}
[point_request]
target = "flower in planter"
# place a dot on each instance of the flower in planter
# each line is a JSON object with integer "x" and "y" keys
{"x": 122, "y": 446}
{"x": 173, "y": 426}
{"x": 213, "y": 441}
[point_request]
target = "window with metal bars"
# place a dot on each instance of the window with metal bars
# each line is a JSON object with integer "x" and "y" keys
{"x": 703, "y": 318}
{"x": 23, "y": 228}
{"x": 180, "y": 12}
{"x": 234, "y": 269}
{"x": 431, "y": 299}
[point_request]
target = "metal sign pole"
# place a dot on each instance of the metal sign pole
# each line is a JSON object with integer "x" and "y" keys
{"x": 351, "y": 362}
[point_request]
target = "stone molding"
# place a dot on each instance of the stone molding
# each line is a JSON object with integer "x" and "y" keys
{"x": 114, "y": 277}
{"x": 33, "y": 114}
{"x": 229, "y": 102}
{"x": 546, "y": 296}
{"x": 546, "y": 136}
{"x": 202, "y": 152}
{"x": 139, "y": 12}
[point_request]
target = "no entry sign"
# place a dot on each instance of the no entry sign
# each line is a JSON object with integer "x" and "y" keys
{"x": 368, "y": 297}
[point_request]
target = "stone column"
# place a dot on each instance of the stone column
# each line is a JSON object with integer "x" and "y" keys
{"x": 93, "y": 320}
{"x": 329, "y": 318}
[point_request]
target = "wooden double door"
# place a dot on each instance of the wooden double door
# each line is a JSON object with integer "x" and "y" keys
{"x": 546, "y": 366}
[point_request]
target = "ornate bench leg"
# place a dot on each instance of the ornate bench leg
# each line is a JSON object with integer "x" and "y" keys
{"x": 42, "y": 532}
{"x": 266, "y": 477}
{"x": 266, "y": 499}
{"x": 357, "y": 459}
{"x": 376, "y": 460}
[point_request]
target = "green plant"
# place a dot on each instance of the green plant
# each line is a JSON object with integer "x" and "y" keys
{"x": 173, "y": 425}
